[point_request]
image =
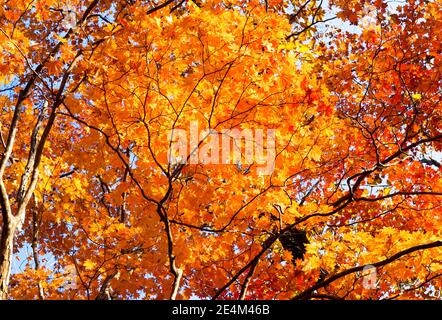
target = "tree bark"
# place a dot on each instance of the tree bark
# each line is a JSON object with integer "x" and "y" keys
{"x": 6, "y": 248}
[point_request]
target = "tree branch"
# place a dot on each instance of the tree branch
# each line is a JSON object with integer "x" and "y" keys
{"x": 306, "y": 294}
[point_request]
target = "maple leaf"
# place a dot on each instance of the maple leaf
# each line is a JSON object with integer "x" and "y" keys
{"x": 315, "y": 153}
{"x": 89, "y": 264}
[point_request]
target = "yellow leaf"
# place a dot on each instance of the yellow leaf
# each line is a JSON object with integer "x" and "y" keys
{"x": 89, "y": 264}
{"x": 416, "y": 96}
{"x": 61, "y": 39}
{"x": 303, "y": 48}
{"x": 77, "y": 184}
{"x": 315, "y": 153}
{"x": 287, "y": 46}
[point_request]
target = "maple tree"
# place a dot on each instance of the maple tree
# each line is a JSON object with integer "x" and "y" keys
{"x": 91, "y": 89}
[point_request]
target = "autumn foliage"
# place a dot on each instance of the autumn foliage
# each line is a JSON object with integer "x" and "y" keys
{"x": 92, "y": 207}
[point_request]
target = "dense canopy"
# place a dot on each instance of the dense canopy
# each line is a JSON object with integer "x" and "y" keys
{"x": 220, "y": 149}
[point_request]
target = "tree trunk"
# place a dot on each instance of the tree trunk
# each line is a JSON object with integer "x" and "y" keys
{"x": 6, "y": 248}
